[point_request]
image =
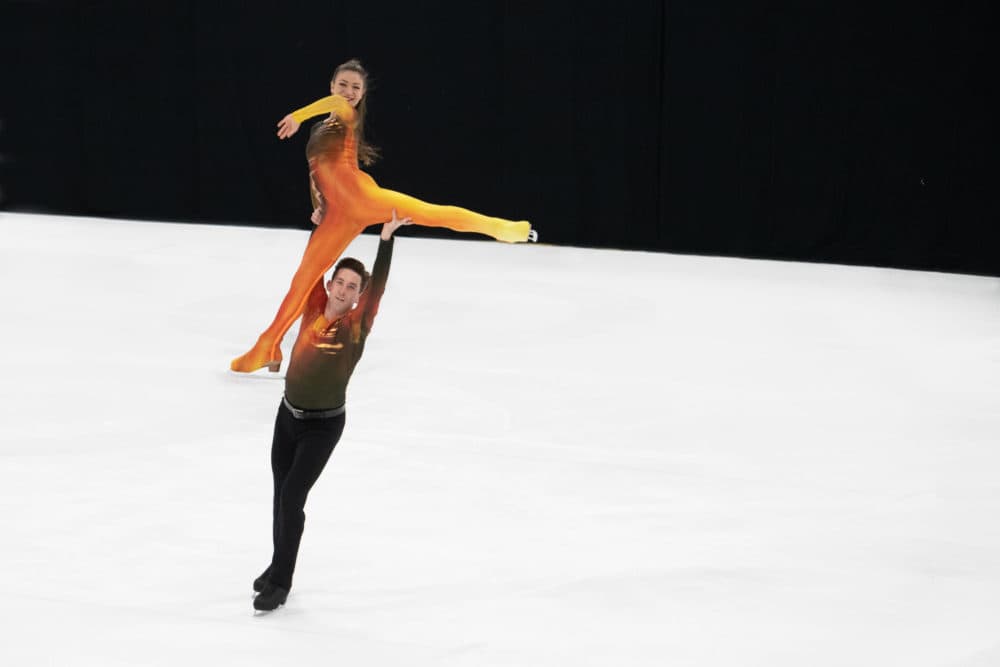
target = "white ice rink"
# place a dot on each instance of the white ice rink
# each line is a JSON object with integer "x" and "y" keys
{"x": 553, "y": 457}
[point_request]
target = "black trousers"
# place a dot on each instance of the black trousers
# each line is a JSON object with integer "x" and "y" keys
{"x": 299, "y": 452}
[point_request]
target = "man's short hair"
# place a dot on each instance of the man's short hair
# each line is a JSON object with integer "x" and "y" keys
{"x": 353, "y": 265}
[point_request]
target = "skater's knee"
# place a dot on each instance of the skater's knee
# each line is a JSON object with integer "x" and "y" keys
{"x": 293, "y": 505}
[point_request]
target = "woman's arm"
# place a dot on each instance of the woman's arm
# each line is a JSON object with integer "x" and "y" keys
{"x": 334, "y": 104}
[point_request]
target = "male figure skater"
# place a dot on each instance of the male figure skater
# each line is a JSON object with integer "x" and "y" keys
{"x": 335, "y": 324}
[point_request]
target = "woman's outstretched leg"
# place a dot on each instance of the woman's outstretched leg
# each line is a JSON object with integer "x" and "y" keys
{"x": 379, "y": 200}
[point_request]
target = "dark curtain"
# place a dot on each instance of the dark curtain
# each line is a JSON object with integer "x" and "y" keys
{"x": 810, "y": 131}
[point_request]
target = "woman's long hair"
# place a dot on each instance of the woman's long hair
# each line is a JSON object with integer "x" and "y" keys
{"x": 367, "y": 153}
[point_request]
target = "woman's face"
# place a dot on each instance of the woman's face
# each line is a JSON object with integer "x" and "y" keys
{"x": 350, "y": 85}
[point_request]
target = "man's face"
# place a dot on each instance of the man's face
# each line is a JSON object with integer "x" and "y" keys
{"x": 343, "y": 291}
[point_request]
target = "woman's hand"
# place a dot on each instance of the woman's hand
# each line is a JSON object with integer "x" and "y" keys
{"x": 389, "y": 228}
{"x": 287, "y": 126}
{"x": 317, "y": 216}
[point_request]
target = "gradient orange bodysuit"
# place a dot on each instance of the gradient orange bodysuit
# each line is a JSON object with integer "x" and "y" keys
{"x": 353, "y": 201}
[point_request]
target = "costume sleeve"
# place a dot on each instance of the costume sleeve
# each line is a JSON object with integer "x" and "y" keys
{"x": 315, "y": 304}
{"x": 368, "y": 304}
{"x": 330, "y": 104}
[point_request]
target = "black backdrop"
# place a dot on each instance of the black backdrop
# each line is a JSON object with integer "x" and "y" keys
{"x": 817, "y": 131}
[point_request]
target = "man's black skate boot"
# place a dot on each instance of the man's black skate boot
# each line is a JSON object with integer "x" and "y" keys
{"x": 272, "y": 597}
{"x": 261, "y": 581}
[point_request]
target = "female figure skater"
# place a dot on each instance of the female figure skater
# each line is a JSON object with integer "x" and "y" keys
{"x": 350, "y": 81}
{"x": 310, "y": 420}
{"x": 348, "y": 201}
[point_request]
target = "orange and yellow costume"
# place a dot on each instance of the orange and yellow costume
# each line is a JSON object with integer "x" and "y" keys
{"x": 352, "y": 201}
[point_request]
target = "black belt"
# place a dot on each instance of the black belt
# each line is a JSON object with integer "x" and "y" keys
{"x": 299, "y": 413}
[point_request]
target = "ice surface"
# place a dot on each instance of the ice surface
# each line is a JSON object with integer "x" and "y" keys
{"x": 553, "y": 456}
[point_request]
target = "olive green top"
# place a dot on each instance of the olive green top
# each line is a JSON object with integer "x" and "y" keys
{"x": 326, "y": 352}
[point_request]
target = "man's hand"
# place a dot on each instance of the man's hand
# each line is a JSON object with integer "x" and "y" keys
{"x": 287, "y": 126}
{"x": 389, "y": 228}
